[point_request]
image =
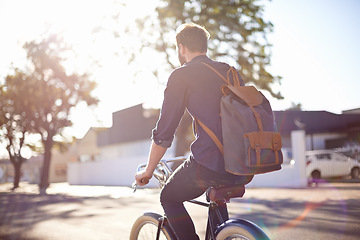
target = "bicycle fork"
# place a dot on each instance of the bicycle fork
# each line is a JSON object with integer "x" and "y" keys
{"x": 163, "y": 222}
{"x": 215, "y": 218}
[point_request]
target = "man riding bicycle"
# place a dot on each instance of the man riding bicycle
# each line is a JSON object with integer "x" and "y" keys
{"x": 194, "y": 88}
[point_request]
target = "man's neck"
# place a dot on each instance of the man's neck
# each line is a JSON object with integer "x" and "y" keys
{"x": 191, "y": 55}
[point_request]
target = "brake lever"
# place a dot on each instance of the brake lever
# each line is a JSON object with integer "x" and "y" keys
{"x": 134, "y": 187}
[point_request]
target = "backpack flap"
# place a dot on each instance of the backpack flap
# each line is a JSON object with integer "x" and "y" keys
{"x": 249, "y": 94}
{"x": 263, "y": 149}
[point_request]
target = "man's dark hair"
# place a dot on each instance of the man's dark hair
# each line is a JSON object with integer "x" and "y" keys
{"x": 193, "y": 36}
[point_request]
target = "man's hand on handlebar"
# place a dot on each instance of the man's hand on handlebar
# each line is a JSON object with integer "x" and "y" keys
{"x": 142, "y": 178}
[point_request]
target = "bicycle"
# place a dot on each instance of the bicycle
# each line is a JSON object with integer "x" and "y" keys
{"x": 152, "y": 225}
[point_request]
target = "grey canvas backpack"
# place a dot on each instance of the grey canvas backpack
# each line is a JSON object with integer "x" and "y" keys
{"x": 251, "y": 145}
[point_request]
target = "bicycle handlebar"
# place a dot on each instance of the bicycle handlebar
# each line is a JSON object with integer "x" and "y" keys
{"x": 162, "y": 172}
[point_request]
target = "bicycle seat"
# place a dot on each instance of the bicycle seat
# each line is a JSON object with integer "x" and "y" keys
{"x": 224, "y": 193}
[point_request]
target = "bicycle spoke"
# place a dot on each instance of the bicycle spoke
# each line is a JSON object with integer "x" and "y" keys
{"x": 148, "y": 232}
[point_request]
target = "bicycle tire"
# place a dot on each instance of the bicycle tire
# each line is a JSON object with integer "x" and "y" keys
{"x": 146, "y": 226}
{"x": 234, "y": 233}
{"x": 240, "y": 229}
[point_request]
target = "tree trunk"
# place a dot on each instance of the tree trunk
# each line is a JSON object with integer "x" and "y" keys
{"x": 16, "y": 162}
{"x": 44, "y": 179}
{"x": 17, "y": 167}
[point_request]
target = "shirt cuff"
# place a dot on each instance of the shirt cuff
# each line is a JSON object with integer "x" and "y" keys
{"x": 161, "y": 142}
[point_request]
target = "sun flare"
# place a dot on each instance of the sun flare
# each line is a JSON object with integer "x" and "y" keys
{"x": 98, "y": 32}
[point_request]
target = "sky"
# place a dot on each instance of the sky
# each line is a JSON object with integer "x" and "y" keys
{"x": 315, "y": 51}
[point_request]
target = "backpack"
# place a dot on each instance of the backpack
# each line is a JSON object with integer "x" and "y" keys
{"x": 251, "y": 144}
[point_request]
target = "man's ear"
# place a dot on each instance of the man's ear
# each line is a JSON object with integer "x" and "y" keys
{"x": 182, "y": 49}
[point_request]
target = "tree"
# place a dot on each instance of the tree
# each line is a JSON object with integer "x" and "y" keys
{"x": 54, "y": 93}
{"x": 295, "y": 107}
{"x": 14, "y": 119}
{"x": 238, "y": 34}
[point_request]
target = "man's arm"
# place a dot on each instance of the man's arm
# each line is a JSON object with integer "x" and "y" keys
{"x": 155, "y": 155}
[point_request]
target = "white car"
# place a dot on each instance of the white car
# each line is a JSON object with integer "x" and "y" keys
{"x": 330, "y": 163}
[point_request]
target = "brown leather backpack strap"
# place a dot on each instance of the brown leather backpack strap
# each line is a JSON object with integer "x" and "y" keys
{"x": 212, "y": 135}
{"x": 235, "y": 76}
{"x": 258, "y": 118}
{"x": 222, "y": 77}
{"x": 232, "y": 71}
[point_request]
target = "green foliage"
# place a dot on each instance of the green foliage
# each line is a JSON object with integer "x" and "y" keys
{"x": 40, "y": 99}
{"x": 295, "y": 107}
{"x": 238, "y": 34}
{"x": 15, "y": 121}
{"x": 54, "y": 92}
{"x": 14, "y": 112}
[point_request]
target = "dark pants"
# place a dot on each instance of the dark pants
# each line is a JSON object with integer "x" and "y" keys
{"x": 190, "y": 181}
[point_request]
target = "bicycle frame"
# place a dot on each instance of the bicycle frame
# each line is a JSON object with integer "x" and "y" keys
{"x": 163, "y": 172}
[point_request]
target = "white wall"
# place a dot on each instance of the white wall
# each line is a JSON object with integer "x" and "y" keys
{"x": 125, "y": 150}
{"x": 113, "y": 172}
{"x": 116, "y": 167}
{"x": 118, "y": 164}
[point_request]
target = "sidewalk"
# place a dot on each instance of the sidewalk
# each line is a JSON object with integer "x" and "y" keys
{"x": 331, "y": 211}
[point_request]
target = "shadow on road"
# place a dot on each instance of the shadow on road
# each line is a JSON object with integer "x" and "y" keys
{"x": 29, "y": 216}
{"x": 326, "y": 212}
{"x": 331, "y": 217}
{"x": 20, "y": 211}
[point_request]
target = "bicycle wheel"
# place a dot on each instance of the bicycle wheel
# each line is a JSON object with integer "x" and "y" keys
{"x": 146, "y": 226}
{"x": 234, "y": 233}
{"x": 240, "y": 229}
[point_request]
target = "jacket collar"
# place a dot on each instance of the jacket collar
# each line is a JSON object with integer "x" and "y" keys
{"x": 200, "y": 58}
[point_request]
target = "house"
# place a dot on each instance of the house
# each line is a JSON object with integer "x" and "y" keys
{"x": 80, "y": 150}
{"x": 121, "y": 149}
{"x": 324, "y": 130}
{"x": 87, "y": 148}
{"x": 308, "y": 130}
{"x": 30, "y": 170}
{"x": 130, "y": 133}
{"x": 58, "y": 165}
{"x": 352, "y": 111}
{"x": 7, "y": 172}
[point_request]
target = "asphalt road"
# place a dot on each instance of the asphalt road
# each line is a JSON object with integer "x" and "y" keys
{"x": 330, "y": 211}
